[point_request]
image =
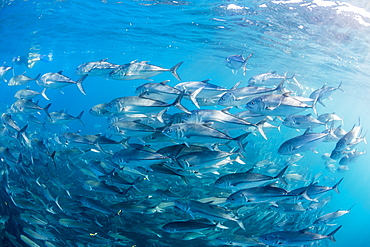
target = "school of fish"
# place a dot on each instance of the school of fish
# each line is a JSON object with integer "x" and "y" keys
{"x": 192, "y": 164}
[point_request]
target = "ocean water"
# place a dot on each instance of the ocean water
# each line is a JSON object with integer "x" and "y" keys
{"x": 321, "y": 42}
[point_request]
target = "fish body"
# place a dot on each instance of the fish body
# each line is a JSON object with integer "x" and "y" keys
{"x": 21, "y": 80}
{"x": 187, "y": 226}
{"x": 28, "y": 106}
{"x": 241, "y": 96}
{"x": 158, "y": 91}
{"x": 302, "y": 122}
{"x": 61, "y": 117}
{"x": 141, "y": 70}
{"x": 313, "y": 191}
{"x": 100, "y": 110}
{"x": 327, "y": 218}
{"x": 279, "y": 105}
{"x": 324, "y": 93}
{"x": 349, "y": 139}
{"x": 131, "y": 129}
{"x": 28, "y": 94}
{"x": 206, "y": 210}
{"x": 208, "y": 90}
{"x": 294, "y": 238}
{"x": 58, "y": 81}
{"x": 244, "y": 180}
{"x": 260, "y": 194}
{"x": 235, "y": 62}
{"x": 98, "y": 68}
{"x": 137, "y": 157}
{"x": 4, "y": 71}
{"x": 267, "y": 79}
{"x": 302, "y": 143}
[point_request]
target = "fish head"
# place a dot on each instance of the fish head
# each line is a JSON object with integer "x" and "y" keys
{"x": 286, "y": 148}
{"x": 141, "y": 90}
{"x": 182, "y": 204}
{"x": 173, "y": 131}
{"x": 271, "y": 239}
{"x": 227, "y": 99}
{"x": 237, "y": 198}
{"x": 193, "y": 117}
{"x": 114, "y": 106}
{"x": 256, "y": 105}
{"x": 289, "y": 121}
{"x": 221, "y": 182}
{"x": 83, "y": 69}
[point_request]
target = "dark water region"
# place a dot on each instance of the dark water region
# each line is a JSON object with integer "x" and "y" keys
{"x": 65, "y": 184}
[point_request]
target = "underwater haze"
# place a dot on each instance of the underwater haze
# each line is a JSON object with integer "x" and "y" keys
{"x": 143, "y": 170}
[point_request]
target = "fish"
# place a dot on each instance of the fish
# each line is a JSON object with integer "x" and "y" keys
{"x": 241, "y": 96}
{"x": 136, "y": 104}
{"x": 188, "y": 226}
{"x": 302, "y": 143}
{"x": 268, "y": 193}
{"x": 302, "y": 122}
{"x": 141, "y": 70}
{"x": 325, "y": 219}
{"x": 295, "y": 238}
{"x": 61, "y": 118}
{"x": 268, "y": 79}
{"x": 324, "y": 93}
{"x": 137, "y": 157}
{"x": 100, "y": 110}
{"x": 28, "y": 94}
{"x": 21, "y": 80}
{"x": 98, "y": 68}
{"x": 211, "y": 212}
{"x": 279, "y": 105}
{"x": 4, "y": 71}
{"x": 28, "y": 106}
{"x": 58, "y": 81}
{"x": 235, "y": 62}
{"x": 190, "y": 133}
{"x": 244, "y": 180}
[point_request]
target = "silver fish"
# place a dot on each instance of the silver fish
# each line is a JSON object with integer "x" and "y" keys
{"x": 302, "y": 122}
{"x": 21, "y": 80}
{"x": 28, "y": 94}
{"x": 58, "y": 81}
{"x": 61, "y": 117}
{"x": 279, "y": 105}
{"x": 235, "y": 62}
{"x": 141, "y": 70}
{"x": 324, "y": 92}
{"x": 302, "y": 143}
{"x": 294, "y": 238}
{"x": 98, "y": 68}
{"x": 239, "y": 181}
{"x": 4, "y": 71}
{"x": 268, "y": 79}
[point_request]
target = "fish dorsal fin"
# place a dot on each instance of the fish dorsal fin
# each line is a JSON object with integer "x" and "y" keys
{"x": 287, "y": 94}
{"x": 103, "y": 60}
{"x": 134, "y": 61}
{"x": 60, "y": 72}
{"x": 206, "y": 80}
{"x": 250, "y": 170}
{"x": 271, "y": 185}
{"x": 164, "y": 82}
{"x": 273, "y": 72}
{"x": 309, "y": 115}
{"x": 226, "y": 110}
{"x": 308, "y": 130}
{"x": 236, "y": 85}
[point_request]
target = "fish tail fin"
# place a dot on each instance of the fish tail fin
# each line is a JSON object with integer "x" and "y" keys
{"x": 174, "y": 71}
{"x": 340, "y": 87}
{"x": 193, "y": 97}
{"x": 240, "y": 223}
{"x": 37, "y": 77}
{"x": 79, "y": 118}
{"x": 240, "y": 139}
{"x": 259, "y": 126}
{"x": 178, "y": 104}
{"x": 331, "y": 235}
{"x": 136, "y": 181}
{"x": 43, "y": 94}
{"x": 335, "y": 187}
{"x": 79, "y": 84}
{"x": 46, "y": 110}
{"x": 314, "y": 105}
{"x": 245, "y": 63}
{"x": 280, "y": 87}
{"x": 221, "y": 226}
{"x": 280, "y": 175}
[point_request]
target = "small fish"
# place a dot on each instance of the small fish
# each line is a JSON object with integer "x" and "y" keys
{"x": 235, "y": 62}
{"x": 268, "y": 79}
{"x": 302, "y": 143}
{"x": 325, "y": 219}
{"x": 295, "y": 238}
{"x": 4, "y": 71}
{"x": 98, "y": 68}
{"x": 302, "y": 122}
{"x": 28, "y": 94}
{"x": 141, "y": 70}
{"x": 21, "y": 80}
{"x": 61, "y": 118}
{"x": 58, "y": 81}
{"x": 324, "y": 92}
{"x": 100, "y": 110}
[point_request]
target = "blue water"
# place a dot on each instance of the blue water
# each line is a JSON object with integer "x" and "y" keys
{"x": 320, "y": 41}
